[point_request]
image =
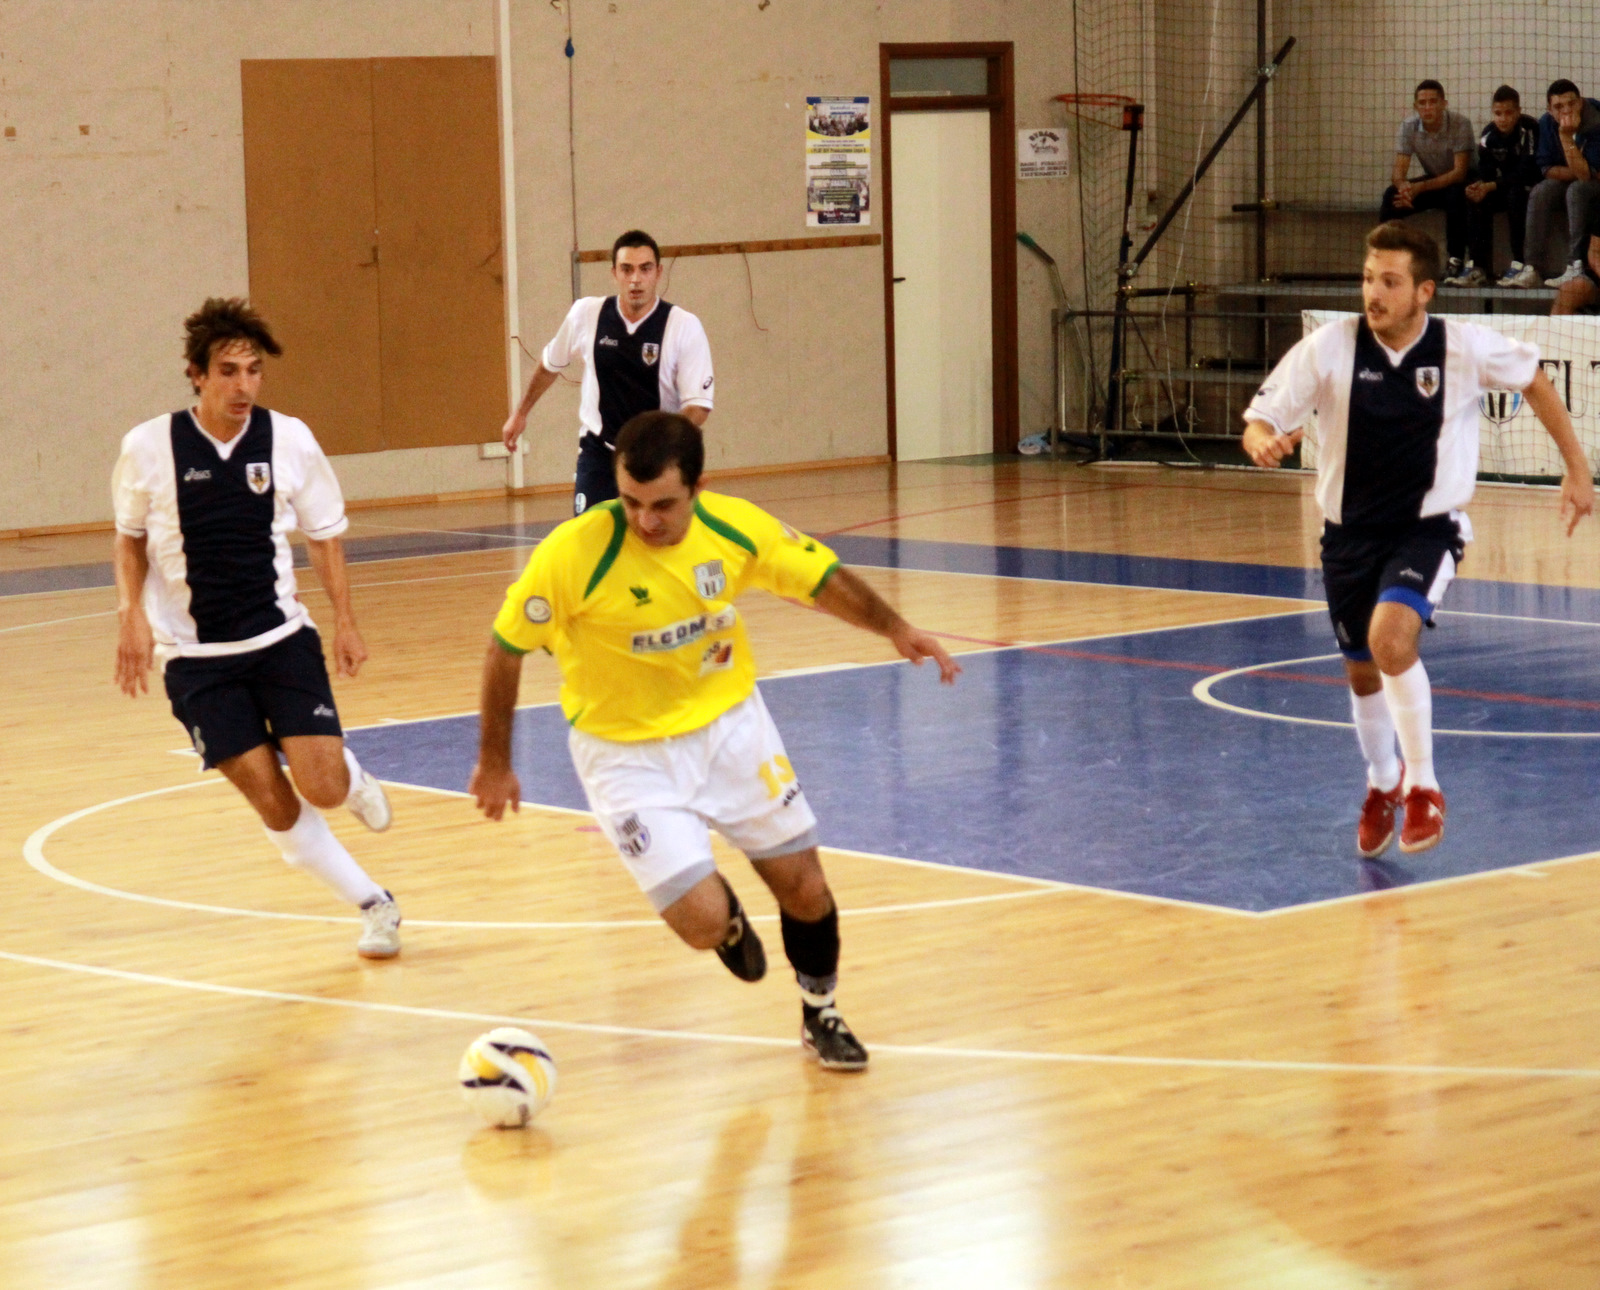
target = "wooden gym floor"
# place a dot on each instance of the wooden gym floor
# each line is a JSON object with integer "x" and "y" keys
{"x": 1070, "y": 1087}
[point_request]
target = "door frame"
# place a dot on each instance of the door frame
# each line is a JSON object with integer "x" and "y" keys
{"x": 1000, "y": 103}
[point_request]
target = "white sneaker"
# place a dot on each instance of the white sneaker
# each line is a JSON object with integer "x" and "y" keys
{"x": 370, "y": 804}
{"x": 380, "y": 928}
{"x": 1472, "y": 276}
{"x": 1453, "y": 269}
{"x": 1520, "y": 275}
{"x": 1573, "y": 273}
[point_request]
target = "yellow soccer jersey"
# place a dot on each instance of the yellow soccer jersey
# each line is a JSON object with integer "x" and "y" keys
{"x": 649, "y": 641}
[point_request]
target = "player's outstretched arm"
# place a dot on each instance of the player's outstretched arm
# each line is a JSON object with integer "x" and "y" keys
{"x": 136, "y": 646}
{"x": 517, "y": 422}
{"x": 1265, "y": 446}
{"x": 494, "y": 784}
{"x": 327, "y": 558}
{"x": 1577, "y": 486}
{"x": 851, "y": 600}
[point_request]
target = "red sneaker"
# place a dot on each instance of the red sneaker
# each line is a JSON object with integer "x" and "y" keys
{"x": 1376, "y": 829}
{"x": 1424, "y": 822}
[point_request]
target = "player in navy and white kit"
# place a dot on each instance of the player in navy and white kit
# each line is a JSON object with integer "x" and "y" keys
{"x": 1396, "y": 398}
{"x": 205, "y": 500}
{"x": 640, "y": 354}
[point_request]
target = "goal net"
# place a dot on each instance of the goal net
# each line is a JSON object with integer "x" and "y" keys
{"x": 1309, "y": 167}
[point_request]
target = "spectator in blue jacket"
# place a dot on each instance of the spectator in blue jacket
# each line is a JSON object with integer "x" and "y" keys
{"x": 1508, "y": 169}
{"x": 1569, "y": 157}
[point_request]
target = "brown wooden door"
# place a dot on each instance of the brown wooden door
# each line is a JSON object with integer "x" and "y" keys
{"x": 311, "y": 219}
{"x": 372, "y": 193}
{"x": 438, "y": 200}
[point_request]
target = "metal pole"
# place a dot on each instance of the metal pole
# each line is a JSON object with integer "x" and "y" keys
{"x": 1263, "y": 78}
{"x": 1133, "y": 123}
{"x": 508, "y": 225}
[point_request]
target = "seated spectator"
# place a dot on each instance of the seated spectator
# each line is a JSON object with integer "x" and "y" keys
{"x": 1508, "y": 169}
{"x": 1581, "y": 294}
{"x": 1442, "y": 141}
{"x": 1569, "y": 157}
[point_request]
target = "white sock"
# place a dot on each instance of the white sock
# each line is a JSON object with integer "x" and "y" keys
{"x": 1375, "y": 731}
{"x": 354, "y": 767}
{"x": 1411, "y": 705}
{"x": 309, "y": 844}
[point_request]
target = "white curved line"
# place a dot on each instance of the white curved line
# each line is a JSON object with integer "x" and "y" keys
{"x": 765, "y": 1041}
{"x": 33, "y": 853}
{"x": 1202, "y": 691}
{"x": 51, "y": 622}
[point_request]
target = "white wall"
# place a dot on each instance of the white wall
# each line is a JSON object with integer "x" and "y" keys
{"x": 688, "y": 123}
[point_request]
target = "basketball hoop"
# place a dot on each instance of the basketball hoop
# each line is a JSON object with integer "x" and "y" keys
{"x": 1132, "y": 112}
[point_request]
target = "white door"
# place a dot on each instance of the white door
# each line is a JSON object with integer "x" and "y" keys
{"x": 943, "y": 330}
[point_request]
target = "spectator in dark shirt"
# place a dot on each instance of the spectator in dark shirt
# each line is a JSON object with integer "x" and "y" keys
{"x": 1569, "y": 157}
{"x": 1442, "y": 141}
{"x": 1508, "y": 169}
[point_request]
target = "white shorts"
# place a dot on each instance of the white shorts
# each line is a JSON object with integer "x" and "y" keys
{"x": 658, "y": 799}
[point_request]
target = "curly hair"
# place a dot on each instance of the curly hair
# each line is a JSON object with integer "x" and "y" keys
{"x": 221, "y": 322}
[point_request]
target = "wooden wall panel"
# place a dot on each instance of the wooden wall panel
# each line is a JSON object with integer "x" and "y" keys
{"x": 311, "y": 222}
{"x": 437, "y": 171}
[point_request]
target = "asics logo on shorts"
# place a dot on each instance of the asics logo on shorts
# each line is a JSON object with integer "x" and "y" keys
{"x": 677, "y": 635}
{"x": 633, "y": 839}
{"x": 323, "y": 710}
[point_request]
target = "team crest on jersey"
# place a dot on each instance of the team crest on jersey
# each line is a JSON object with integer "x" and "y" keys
{"x": 650, "y": 351}
{"x": 710, "y": 579}
{"x": 1500, "y": 406}
{"x": 536, "y": 609}
{"x": 1428, "y": 381}
{"x": 259, "y": 476}
{"x": 633, "y": 839}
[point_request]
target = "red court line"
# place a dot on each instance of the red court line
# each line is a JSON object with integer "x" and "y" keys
{"x": 967, "y": 506}
{"x": 1268, "y": 674}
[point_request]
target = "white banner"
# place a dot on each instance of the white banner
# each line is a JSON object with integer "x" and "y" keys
{"x": 1510, "y": 439}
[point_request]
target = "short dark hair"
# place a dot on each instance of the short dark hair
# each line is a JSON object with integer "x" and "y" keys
{"x": 1428, "y": 85}
{"x": 1397, "y": 235}
{"x": 1505, "y": 94}
{"x": 635, "y": 237}
{"x": 650, "y": 442}
{"x": 1558, "y": 88}
{"x": 219, "y": 323}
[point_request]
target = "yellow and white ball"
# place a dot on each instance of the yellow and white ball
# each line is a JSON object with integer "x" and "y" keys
{"x": 507, "y": 1076}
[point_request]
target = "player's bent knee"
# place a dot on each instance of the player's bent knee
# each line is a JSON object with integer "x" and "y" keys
{"x": 695, "y": 906}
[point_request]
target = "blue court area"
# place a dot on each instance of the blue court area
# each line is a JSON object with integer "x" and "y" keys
{"x": 1147, "y": 763}
{"x": 1097, "y": 763}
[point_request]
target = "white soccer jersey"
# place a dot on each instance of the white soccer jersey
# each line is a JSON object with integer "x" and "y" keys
{"x": 217, "y": 517}
{"x": 680, "y": 355}
{"x": 1363, "y": 391}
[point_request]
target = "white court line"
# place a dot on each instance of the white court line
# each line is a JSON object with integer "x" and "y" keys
{"x": 51, "y": 622}
{"x": 1202, "y": 691}
{"x": 764, "y": 1041}
{"x": 33, "y": 853}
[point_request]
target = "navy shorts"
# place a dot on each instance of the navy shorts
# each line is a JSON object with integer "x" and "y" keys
{"x": 1411, "y": 565}
{"x": 232, "y": 703}
{"x": 596, "y": 480}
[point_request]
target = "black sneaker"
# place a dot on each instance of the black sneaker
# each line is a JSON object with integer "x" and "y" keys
{"x": 742, "y": 953}
{"x": 825, "y": 1036}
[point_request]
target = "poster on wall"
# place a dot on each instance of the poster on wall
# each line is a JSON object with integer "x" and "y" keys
{"x": 1042, "y": 154}
{"x": 838, "y": 162}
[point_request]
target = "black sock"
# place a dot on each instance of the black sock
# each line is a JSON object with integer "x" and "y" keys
{"x": 736, "y": 924}
{"x": 813, "y": 950}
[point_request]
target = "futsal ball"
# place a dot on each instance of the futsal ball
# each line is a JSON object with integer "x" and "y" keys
{"x": 507, "y": 1076}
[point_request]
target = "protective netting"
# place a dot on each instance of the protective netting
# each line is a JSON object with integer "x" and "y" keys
{"x": 1327, "y": 146}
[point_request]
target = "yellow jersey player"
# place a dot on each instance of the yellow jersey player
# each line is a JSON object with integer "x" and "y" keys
{"x": 669, "y": 733}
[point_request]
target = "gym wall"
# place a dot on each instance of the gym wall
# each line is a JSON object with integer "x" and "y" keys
{"x": 688, "y": 123}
